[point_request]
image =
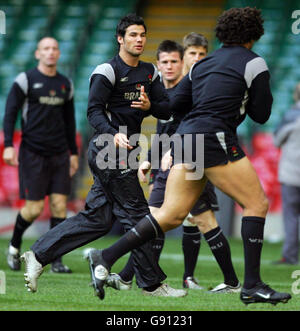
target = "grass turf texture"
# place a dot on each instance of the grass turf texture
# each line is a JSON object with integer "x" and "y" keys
{"x": 72, "y": 291}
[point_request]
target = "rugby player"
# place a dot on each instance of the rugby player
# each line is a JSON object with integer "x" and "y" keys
{"x": 171, "y": 59}
{"x": 48, "y": 152}
{"x": 123, "y": 91}
{"x": 221, "y": 90}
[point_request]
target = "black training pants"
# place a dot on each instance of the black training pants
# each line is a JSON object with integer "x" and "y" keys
{"x": 115, "y": 195}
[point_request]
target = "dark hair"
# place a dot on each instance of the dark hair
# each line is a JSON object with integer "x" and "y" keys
{"x": 240, "y": 25}
{"x": 169, "y": 46}
{"x": 126, "y": 21}
{"x": 194, "y": 39}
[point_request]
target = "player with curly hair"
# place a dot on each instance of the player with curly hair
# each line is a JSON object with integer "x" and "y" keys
{"x": 222, "y": 89}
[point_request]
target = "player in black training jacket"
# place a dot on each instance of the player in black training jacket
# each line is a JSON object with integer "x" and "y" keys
{"x": 48, "y": 152}
{"x": 221, "y": 89}
{"x": 171, "y": 59}
{"x": 122, "y": 92}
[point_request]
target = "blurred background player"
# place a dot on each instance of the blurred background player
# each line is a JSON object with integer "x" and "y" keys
{"x": 170, "y": 62}
{"x": 287, "y": 137}
{"x": 48, "y": 152}
{"x": 195, "y": 47}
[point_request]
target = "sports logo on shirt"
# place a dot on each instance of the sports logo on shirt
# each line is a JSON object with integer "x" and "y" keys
{"x": 234, "y": 151}
{"x": 131, "y": 95}
{"x": 52, "y": 100}
{"x": 63, "y": 88}
{"x": 37, "y": 85}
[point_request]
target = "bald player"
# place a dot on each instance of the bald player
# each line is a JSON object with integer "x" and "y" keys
{"x": 48, "y": 153}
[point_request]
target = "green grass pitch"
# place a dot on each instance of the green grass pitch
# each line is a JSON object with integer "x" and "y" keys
{"x": 71, "y": 292}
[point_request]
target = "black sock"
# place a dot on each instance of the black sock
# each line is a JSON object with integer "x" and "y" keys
{"x": 54, "y": 221}
{"x": 20, "y": 226}
{"x": 145, "y": 230}
{"x": 191, "y": 241}
{"x": 127, "y": 272}
{"x": 253, "y": 235}
{"x": 221, "y": 251}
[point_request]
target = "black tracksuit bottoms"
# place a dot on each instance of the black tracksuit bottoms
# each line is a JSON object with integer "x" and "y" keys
{"x": 115, "y": 195}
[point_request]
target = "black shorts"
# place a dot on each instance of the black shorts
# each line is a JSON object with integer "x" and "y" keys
{"x": 207, "y": 201}
{"x": 43, "y": 175}
{"x": 219, "y": 148}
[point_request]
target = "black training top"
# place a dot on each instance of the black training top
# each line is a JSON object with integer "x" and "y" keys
{"x": 161, "y": 144}
{"x": 48, "y": 120}
{"x": 113, "y": 87}
{"x": 221, "y": 89}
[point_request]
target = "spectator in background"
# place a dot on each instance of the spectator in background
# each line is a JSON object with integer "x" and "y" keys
{"x": 287, "y": 137}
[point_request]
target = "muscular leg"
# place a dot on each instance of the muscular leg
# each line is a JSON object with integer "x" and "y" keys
{"x": 237, "y": 179}
{"x": 58, "y": 205}
{"x": 170, "y": 215}
{"x": 32, "y": 210}
{"x": 240, "y": 181}
{"x": 180, "y": 197}
{"x": 205, "y": 221}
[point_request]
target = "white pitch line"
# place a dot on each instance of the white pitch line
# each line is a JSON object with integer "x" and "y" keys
{"x": 179, "y": 257}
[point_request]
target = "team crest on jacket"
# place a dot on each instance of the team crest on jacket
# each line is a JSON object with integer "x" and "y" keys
{"x": 234, "y": 151}
{"x": 52, "y": 93}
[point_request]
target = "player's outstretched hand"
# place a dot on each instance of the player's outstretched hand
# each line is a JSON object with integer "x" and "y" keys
{"x": 143, "y": 103}
{"x": 121, "y": 140}
{"x": 143, "y": 169}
